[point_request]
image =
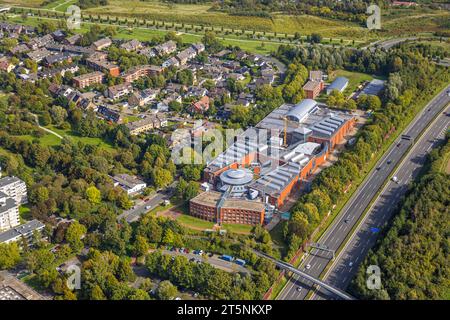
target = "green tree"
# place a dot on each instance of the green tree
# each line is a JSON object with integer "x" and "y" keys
{"x": 74, "y": 233}
{"x": 9, "y": 255}
{"x": 93, "y": 195}
{"x": 166, "y": 290}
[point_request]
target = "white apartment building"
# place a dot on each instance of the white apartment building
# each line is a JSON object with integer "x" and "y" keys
{"x": 9, "y": 212}
{"x": 14, "y": 188}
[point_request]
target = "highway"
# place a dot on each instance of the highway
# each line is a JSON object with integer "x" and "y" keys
{"x": 347, "y": 262}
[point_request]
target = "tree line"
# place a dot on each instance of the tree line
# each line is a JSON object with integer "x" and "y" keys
{"x": 413, "y": 252}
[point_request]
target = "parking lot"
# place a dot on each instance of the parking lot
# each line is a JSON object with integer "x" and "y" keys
{"x": 212, "y": 259}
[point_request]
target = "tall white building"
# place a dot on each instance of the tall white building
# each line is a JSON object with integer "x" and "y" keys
{"x": 9, "y": 212}
{"x": 14, "y": 188}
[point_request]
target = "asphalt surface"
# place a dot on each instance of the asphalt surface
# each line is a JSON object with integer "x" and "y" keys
{"x": 139, "y": 208}
{"x": 215, "y": 261}
{"x": 341, "y": 273}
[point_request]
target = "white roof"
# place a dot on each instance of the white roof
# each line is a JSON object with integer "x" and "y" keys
{"x": 307, "y": 148}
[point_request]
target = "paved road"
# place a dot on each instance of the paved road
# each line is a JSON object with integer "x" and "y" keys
{"x": 334, "y": 237}
{"x": 387, "y": 44}
{"x": 140, "y": 208}
{"x": 384, "y": 207}
{"x": 215, "y": 261}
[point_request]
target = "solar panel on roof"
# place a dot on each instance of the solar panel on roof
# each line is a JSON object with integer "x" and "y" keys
{"x": 337, "y": 119}
{"x": 321, "y": 131}
{"x": 328, "y": 125}
{"x": 323, "y": 127}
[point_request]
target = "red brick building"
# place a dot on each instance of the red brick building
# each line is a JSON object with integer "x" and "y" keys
{"x": 88, "y": 79}
{"x": 208, "y": 206}
{"x": 313, "y": 88}
{"x": 137, "y": 72}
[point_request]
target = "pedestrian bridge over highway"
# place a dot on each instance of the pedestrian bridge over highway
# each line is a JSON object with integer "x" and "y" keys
{"x": 341, "y": 294}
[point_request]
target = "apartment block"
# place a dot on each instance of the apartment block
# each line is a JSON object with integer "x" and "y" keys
{"x": 88, "y": 79}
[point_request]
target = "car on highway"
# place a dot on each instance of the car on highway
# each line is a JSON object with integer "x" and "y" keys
{"x": 148, "y": 207}
{"x": 350, "y": 264}
{"x": 389, "y": 161}
{"x": 395, "y": 179}
{"x": 378, "y": 168}
{"x": 346, "y": 220}
{"x": 299, "y": 289}
{"x": 308, "y": 266}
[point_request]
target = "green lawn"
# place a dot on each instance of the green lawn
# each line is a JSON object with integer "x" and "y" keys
{"x": 238, "y": 228}
{"x": 195, "y": 223}
{"x": 87, "y": 140}
{"x": 354, "y": 79}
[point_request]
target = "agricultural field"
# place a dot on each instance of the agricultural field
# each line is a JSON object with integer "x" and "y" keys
{"x": 413, "y": 21}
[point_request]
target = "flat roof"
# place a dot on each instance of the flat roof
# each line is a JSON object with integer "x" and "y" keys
{"x": 338, "y": 84}
{"x": 8, "y": 180}
{"x": 212, "y": 198}
{"x": 21, "y": 230}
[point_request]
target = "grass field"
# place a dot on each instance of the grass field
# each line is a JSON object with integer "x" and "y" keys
{"x": 51, "y": 140}
{"x": 199, "y": 224}
{"x": 194, "y": 223}
{"x": 87, "y": 140}
{"x": 354, "y": 79}
{"x": 238, "y": 228}
{"x": 46, "y": 140}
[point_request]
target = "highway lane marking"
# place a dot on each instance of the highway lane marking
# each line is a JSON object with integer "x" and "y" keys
{"x": 358, "y": 227}
{"x": 372, "y": 175}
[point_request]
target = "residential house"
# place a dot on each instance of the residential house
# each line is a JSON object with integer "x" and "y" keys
{"x": 40, "y": 42}
{"x": 195, "y": 91}
{"x": 141, "y": 98}
{"x": 20, "y": 48}
{"x": 132, "y": 45}
{"x": 58, "y": 35}
{"x": 165, "y": 48}
{"x": 102, "y": 44}
{"x": 49, "y": 73}
{"x": 38, "y": 55}
{"x": 6, "y": 65}
{"x": 57, "y": 58}
{"x": 198, "y": 47}
{"x": 73, "y": 40}
{"x": 109, "y": 114}
{"x": 171, "y": 62}
{"x": 118, "y": 91}
{"x": 186, "y": 55}
{"x": 147, "y": 124}
{"x": 201, "y": 105}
